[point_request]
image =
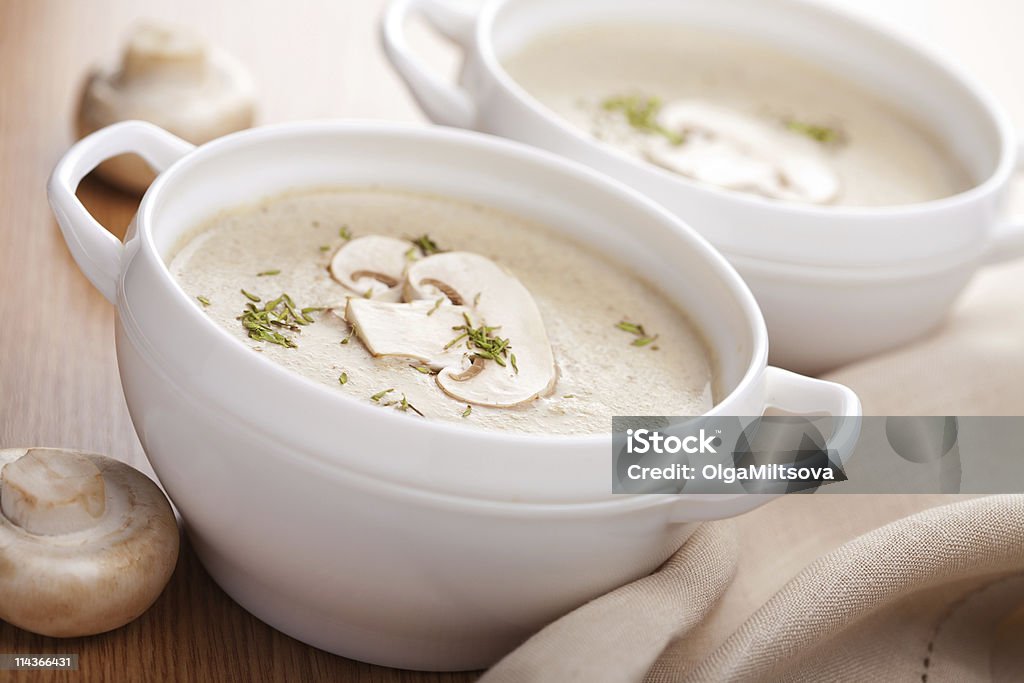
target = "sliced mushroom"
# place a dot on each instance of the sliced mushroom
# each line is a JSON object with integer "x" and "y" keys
{"x": 390, "y": 329}
{"x": 499, "y": 300}
{"x": 171, "y": 78}
{"x": 489, "y": 296}
{"x": 87, "y": 543}
{"x": 455, "y": 275}
{"x": 734, "y": 150}
{"x": 372, "y": 265}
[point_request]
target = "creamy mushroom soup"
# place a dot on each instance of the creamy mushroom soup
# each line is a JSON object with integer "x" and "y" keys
{"x": 730, "y": 112}
{"x": 446, "y": 310}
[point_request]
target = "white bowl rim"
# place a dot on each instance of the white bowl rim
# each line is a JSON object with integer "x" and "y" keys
{"x": 730, "y": 279}
{"x": 1005, "y": 166}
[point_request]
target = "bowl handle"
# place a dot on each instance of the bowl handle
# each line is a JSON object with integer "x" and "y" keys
{"x": 1008, "y": 239}
{"x": 443, "y": 102}
{"x": 792, "y": 393}
{"x": 803, "y": 395}
{"x": 96, "y": 250}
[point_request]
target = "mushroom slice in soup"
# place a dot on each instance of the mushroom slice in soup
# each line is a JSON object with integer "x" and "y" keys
{"x": 488, "y": 343}
{"x": 734, "y": 150}
{"x": 505, "y": 310}
{"x": 372, "y": 266}
{"x": 418, "y": 329}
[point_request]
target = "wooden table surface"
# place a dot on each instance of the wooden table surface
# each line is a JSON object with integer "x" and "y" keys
{"x": 58, "y": 378}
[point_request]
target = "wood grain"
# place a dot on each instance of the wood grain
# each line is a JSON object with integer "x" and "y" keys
{"x": 195, "y": 632}
{"x": 58, "y": 376}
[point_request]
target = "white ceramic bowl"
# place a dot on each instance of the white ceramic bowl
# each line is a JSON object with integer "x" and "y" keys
{"x": 835, "y": 283}
{"x": 363, "y": 531}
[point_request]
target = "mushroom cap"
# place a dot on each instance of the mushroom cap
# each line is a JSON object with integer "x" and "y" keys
{"x": 372, "y": 264}
{"x": 446, "y": 294}
{"x": 87, "y": 543}
{"x": 169, "y": 77}
{"x": 503, "y": 302}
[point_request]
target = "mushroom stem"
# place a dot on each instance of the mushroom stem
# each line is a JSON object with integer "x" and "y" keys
{"x": 52, "y": 496}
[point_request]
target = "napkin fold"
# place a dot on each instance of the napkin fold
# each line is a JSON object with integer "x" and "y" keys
{"x": 924, "y": 598}
{"x": 617, "y": 636}
{"x": 935, "y": 596}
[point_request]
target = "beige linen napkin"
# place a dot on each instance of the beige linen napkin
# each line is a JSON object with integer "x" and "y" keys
{"x": 844, "y": 587}
{"x": 621, "y": 633}
{"x": 918, "y": 599}
{"x": 936, "y": 596}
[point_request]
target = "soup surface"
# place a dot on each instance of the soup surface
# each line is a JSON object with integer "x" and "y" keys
{"x": 619, "y": 347}
{"x": 731, "y": 112}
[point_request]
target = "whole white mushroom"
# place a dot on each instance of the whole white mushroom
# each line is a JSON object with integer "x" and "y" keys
{"x": 87, "y": 543}
{"x": 170, "y": 77}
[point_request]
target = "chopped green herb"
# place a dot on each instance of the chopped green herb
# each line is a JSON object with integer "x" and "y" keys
{"x": 422, "y": 368}
{"x": 404, "y": 405}
{"x": 264, "y": 324}
{"x": 630, "y": 327}
{"x": 826, "y": 135}
{"x": 642, "y": 114}
{"x": 437, "y": 305}
{"x": 344, "y": 233}
{"x": 643, "y": 339}
{"x": 380, "y": 394}
{"x": 569, "y": 396}
{"x": 203, "y": 300}
{"x": 325, "y": 247}
{"x": 482, "y": 341}
{"x": 512, "y": 360}
{"x": 349, "y": 336}
{"x": 343, "y": 378}
{"x": 476, "y": 299}
{"x": 426, "y": 245}
{"x": 455, "y": 341}
{"x": 467, "y": 411}
{"x": 265, "y": 273}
